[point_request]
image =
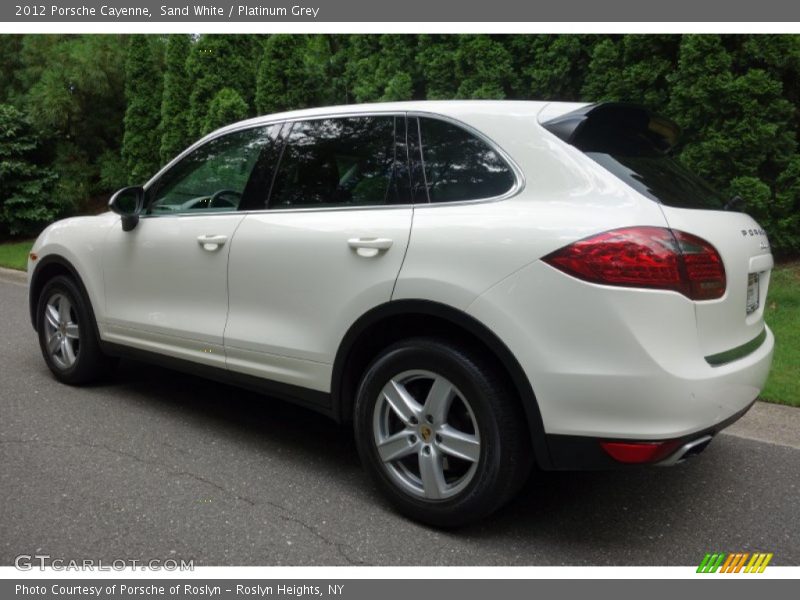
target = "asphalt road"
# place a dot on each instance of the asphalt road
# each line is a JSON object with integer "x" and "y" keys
{"x": 155, "y": 465}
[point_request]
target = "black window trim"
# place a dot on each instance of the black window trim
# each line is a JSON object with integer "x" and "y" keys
{"x": 519, "y": 178}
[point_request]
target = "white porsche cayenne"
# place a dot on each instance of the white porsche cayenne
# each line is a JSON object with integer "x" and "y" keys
{"x": 477, "y": 286}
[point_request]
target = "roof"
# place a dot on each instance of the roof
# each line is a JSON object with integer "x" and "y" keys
{"x": 458, "y": 109}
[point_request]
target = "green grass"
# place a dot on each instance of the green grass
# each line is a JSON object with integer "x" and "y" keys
{"x": 783, "y": 316}
{"x": 15, "y": 255}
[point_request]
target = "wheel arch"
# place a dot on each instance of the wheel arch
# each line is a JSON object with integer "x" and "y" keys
{"x": 400, "y": 319}
{"x": 46, "y": 268}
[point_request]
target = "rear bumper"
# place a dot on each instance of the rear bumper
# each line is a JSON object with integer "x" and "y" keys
{"x": 616, "y": 363}
{"x": 581, "y": 453}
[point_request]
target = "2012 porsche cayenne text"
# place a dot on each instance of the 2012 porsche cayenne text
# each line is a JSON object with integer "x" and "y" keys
{"x": 479, "y": 287}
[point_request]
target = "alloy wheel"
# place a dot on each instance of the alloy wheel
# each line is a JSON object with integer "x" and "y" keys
{"x": 426, "y": 435}
{"x": 62, "y": 332}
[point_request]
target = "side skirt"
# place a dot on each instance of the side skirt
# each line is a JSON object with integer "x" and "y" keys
{"x": 313, "y": 399}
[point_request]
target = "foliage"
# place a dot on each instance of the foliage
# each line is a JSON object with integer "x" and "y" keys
{"x": 736, "y": 97}
{"x": 290, "y": 76}
{"x": 141, "y": 141}
{"x": 25, "y": 200}
{"x": 216, "y": 62}
{"x": 226, "y": 107}
{"x": 782, "y": 313}
{"x": 174, "y": 125}
{"x": 72, "y": 89}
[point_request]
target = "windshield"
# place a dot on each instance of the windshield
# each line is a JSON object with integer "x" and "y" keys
{"x": 661, "y": 178}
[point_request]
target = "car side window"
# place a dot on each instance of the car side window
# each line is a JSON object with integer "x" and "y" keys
{"x": 216, "y": 177}
{"x": 347, "y": 161}
{"x": 460, "y": 166}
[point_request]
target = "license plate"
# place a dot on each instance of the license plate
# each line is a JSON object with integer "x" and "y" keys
{"x": 752, "y": 292}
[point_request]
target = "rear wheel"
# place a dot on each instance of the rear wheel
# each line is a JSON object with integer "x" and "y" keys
{"x": 67, "y": 333}
{"x": 441, "y": 432}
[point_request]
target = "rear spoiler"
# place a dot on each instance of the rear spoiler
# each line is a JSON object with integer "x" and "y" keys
{"x": 578, "y": 124}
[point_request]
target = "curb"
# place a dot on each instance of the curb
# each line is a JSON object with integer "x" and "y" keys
{"x": 771, "y": 423}
{"x": 14, "y": 276}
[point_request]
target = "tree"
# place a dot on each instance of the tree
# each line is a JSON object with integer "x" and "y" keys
{"x": 483, "y": 67}
{"x": 175, "y": 135}
{"x": 633, "y": 68}
{"x": 739, "y": 129}
{"x": 216, "y": 62}
{"x": 25, "y": 199}
{"x": 141, "y": 141}
{"x": 550, "y": 67}
{"x": 74, "y": 96}
{"x": 382, "y": 68}
{"x": 225, "y": 108}
{"x": 290, "y": 75}
{"x": 436, "y": 60}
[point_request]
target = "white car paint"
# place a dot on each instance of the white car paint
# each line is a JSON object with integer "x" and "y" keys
{"x": 276, "y": 300}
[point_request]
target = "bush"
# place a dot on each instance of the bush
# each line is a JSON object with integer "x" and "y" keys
{"x": 26, "y": 203}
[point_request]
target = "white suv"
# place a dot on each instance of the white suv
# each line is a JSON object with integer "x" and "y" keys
{"x": 477, "y": 286}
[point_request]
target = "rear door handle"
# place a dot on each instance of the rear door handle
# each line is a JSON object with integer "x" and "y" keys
{"x": 369, "y": 247}
{"x": 212, "y": 242}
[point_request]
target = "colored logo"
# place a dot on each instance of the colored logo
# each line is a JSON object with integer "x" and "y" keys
{"x": 737, "y": 562}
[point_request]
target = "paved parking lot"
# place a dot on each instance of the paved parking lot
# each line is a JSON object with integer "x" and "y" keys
{"x": 155, "y": 464}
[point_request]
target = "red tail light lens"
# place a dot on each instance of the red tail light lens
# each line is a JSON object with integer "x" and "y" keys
{"x": 646, "y": 257}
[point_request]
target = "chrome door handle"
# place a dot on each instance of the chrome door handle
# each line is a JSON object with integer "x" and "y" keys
{"x": 212, "y": 242}
{"x": 369, "y": 247}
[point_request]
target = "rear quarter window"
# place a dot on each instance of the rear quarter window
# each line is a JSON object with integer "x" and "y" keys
{"x": 458, "y": 165}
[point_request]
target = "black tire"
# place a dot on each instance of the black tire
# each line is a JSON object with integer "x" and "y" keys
{"x": 89, "y": 364}
{"x": 504, "y": 457}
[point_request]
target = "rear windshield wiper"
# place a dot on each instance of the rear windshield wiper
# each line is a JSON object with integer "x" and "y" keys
{"x": 736, "y": 203}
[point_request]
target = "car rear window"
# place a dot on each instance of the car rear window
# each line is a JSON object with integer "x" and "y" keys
{"x": 633, "y": 147}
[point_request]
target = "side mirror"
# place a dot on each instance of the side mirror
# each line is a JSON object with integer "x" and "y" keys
{"x": 128, "y": 203}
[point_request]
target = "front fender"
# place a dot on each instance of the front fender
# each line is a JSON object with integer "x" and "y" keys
{"x": 74, "y": 246}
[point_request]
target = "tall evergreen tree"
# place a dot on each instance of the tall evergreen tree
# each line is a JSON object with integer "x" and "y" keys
{"x": 290, "y": 75}
{"x": 483, "y": 67}
{"x": 633, "y": 68}
{"x": 382, "y": 68}
{"x": 216, "y": 62}
{"x": 175, "y": 135}
{"x": 549, "y": 67}
{"x": 140, "y": 143}
{"x": 740, "y": 130}
{"x": 436, "y": 60}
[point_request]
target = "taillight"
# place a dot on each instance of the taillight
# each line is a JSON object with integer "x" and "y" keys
{"x": 646, "y": 257}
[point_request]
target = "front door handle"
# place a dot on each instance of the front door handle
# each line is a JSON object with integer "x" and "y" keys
{"x": 369, "y": 247}
{"x": 212, "y": 242}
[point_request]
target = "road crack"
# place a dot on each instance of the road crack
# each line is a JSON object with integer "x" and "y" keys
{"x": 287, "y": 514}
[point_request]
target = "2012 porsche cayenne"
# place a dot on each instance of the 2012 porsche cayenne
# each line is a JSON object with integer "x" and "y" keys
{"x": 477, "y": 286}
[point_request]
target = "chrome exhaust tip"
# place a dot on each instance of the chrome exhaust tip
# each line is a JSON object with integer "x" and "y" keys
{"x": 689, "y": 449}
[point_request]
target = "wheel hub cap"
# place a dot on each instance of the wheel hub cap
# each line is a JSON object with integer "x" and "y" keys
{"x": 426, "y": 433}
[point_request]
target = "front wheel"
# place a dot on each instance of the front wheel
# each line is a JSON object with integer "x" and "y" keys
{"x": 67, "y": 333}
{"x": 441, "y": 432}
